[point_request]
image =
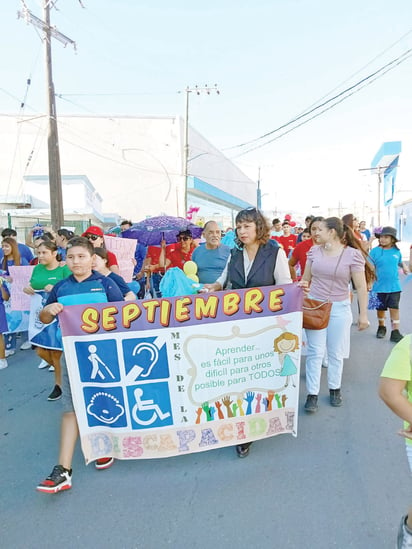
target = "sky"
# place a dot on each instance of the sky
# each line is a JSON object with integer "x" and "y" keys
{"x": 272, "y": 60}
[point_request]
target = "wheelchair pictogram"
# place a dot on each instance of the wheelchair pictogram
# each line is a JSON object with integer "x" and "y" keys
{"x": 149, "y": 405}
{"x": 145, "y": 405}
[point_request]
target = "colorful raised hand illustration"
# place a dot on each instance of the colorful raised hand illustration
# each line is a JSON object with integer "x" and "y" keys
{"x": 218, "y": 405}
{"x": 234, "y": 409}
{"x": 268, "y": 401}
{"x": 212, "y": 411}
{"x": 249, "y": 399}
{"x": 198, "y": 414}
{"x": 227, "y": 402}
{"x": 240, "y": 406}
{"x": 206, "y": 410}
{"x": 277, "y": 396}
{"x": 284, "y": 399}
{"x": 258, "y": 401}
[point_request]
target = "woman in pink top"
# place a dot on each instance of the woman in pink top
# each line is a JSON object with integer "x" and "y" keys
{"x": 329, "y": 268}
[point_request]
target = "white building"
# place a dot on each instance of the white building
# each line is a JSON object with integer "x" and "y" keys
{"x": 129, "y": 165}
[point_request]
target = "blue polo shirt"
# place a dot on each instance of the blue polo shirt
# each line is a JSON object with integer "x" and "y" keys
{"x": 210, "y": 263}
{"x": 386, "y": 263}
{"x": 95, "y": 289}
{"x": 120, "y": 282}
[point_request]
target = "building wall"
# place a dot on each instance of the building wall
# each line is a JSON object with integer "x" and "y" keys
{"x": 135, "y": 164}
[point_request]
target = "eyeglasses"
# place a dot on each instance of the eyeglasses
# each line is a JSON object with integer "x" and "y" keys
{"x": 184, "y": 238}
{"x": 93, "y": 237}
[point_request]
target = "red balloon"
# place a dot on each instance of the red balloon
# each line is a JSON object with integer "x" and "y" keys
{"x": 292, "y": 223}
{"x": 288, "y": 217}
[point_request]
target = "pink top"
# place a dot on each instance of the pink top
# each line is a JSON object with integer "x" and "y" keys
{"x": 323, "y": 268}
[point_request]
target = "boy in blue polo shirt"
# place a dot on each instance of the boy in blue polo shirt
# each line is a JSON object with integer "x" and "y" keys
{"x": 82, "y": 286}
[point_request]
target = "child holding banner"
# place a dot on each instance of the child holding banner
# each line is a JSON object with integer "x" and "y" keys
{"x": 82, "y": 286}
{"x": 44, "y": 276}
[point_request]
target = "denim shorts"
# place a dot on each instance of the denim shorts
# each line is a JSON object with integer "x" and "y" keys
{"x": 388, "y": 300}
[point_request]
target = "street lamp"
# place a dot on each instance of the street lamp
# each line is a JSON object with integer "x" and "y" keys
{"x": 198, "y": 90}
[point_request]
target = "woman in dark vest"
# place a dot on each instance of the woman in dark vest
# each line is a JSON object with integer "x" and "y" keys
{"x": 256, "y": 261}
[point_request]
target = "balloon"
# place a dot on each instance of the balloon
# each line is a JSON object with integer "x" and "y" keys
{"x": 193, "y": 277}
{"x": 189, "y": 268}
{"x": 288, "y": 217}
{"x": 292, "y": 223}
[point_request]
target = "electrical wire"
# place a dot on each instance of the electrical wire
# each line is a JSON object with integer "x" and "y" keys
{"x": 23, "y": 104}
{"x": 395, "y": 62}
{"x": 325, "y": 110}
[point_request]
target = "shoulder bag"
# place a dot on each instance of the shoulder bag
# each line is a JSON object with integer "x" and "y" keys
{"x": 316, "y": 313}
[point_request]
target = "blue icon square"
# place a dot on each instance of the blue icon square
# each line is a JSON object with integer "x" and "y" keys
{"x": 144, "y": 359}
{"x": 98, "y": 361}
{"x": 150, "y": 405}
{"x": 105, "y": 407}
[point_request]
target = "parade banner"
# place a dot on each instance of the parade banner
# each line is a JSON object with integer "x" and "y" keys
{"x": 47, "y": 336}
{"x": 124, "y": 249}
{"x": 165, "y": 377}
{"x": 19, "y": 301}
{"x": 17, "y": 321}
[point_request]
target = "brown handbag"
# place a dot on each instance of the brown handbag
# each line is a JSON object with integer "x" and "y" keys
{"x": 316, "y": 313}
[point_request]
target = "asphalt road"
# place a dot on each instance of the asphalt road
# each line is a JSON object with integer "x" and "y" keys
{"x": 343, "y": 482}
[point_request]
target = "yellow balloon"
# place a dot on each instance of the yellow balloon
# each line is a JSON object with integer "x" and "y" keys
{"x": 189, "y": 268}
{"x": 193, "y": 277}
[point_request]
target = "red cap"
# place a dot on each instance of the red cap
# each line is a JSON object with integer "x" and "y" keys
{"x": 93, "y": 229}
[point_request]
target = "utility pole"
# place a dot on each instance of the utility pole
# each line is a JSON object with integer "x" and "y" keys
{"x": 258, "y": 193}
{"x": 198, "y": 90}
{"x": 378, "y": 170}
{"x": 55, "y": 180}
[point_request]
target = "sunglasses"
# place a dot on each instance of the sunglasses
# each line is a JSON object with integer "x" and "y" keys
{"x": 93, "y": 237}
{"x": 184, "y": 238}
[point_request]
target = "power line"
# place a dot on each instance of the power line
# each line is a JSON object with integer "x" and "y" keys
{"x": 396, "y": 61}
{"x": 359, "y": 70}
{"x": 324, "y": 110}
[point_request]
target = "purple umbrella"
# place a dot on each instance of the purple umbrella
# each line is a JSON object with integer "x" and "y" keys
{"x": 153, "y": 230}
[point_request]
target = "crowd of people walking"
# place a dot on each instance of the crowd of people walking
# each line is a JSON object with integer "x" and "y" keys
{"x": 333, "y": 260}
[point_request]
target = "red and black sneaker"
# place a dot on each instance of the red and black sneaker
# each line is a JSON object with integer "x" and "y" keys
{"x": 104, "y": 463}
{"x": 59, "y": 479}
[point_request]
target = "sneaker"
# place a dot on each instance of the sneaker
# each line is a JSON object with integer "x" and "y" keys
{"x": 43, "y": 364}
{"x": 25, "y": 346}
{"x": 103, "y": 463}
{"x": 51, "y": 369}
{"x": 55, "y": 394}
{"x": 3, "y": 363}
{"x": 335, "y": 397}
{"x": 381, "y": 333}
{"x": 311, "y": 404}
{"x": 396, "y": 336}
{"x": 243, "y": 450}
{"x": 9, "y": 352}
{"x": 59, "y": 479}
{"x": 404, "y": 535}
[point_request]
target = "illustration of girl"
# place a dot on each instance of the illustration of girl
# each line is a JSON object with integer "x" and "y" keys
{"x": 285, "y": 344}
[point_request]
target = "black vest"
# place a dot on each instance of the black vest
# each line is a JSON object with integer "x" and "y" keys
{"x": 261, "y": 272}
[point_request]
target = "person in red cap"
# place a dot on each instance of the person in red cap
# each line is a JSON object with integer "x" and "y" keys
{"x": 95, "y": 235}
